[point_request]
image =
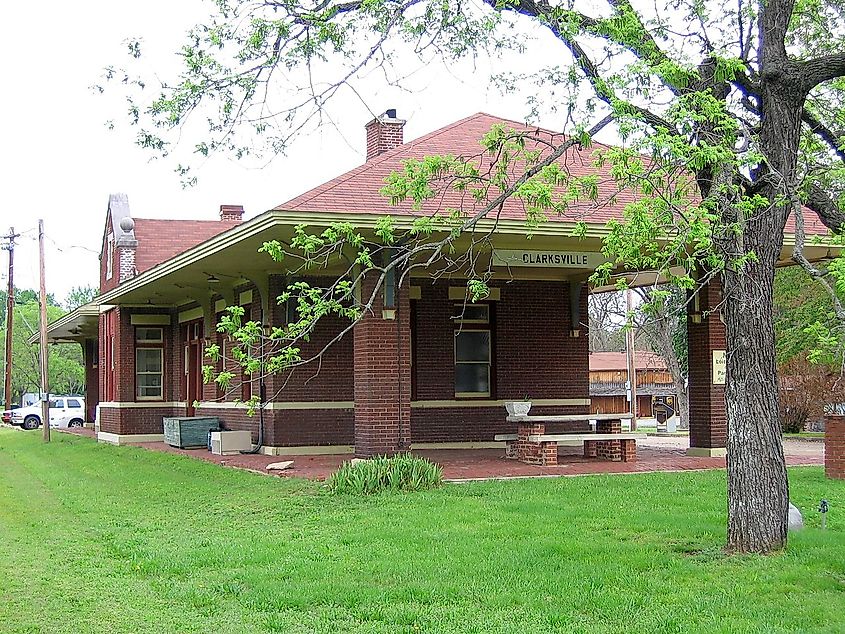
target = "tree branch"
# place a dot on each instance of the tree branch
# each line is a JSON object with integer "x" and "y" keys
{"x": 821, "y": 69}
{"x": 826, "y": 208}
{"x": 834, "y": 141}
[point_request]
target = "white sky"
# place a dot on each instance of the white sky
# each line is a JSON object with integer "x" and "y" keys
{"x": 60, "y": 162}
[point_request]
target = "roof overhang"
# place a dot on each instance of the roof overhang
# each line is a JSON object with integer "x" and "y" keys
{"x": 232, "y": 256}
{"x": 75, "y": 327}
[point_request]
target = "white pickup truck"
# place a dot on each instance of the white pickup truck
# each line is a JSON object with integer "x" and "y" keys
{"x": 65, "y": 411}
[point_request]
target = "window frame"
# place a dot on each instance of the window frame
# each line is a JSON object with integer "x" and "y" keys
{"x": 149, "y": 344}
{"x": 110, "y": 256}
{"x": 476, "y": 325}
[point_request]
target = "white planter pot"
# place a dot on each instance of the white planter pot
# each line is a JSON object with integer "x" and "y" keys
{"x": 518, "y": 408}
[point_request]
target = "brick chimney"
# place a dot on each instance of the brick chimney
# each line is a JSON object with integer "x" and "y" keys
{"x": 126, "y": 245}
{"x": 384, "y": 133}
{"x": 231, "y": 213}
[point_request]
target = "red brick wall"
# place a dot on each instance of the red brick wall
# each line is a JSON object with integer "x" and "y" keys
{"x": 834, "y": 447}
{"x": 534, "y": 355}
{"x": 382, "y": 375}
{"x": 325, "y": 378}
{"x": 479, "y": 424}
{"x": 708, "y": 426}
{"x": 145, "y": 420}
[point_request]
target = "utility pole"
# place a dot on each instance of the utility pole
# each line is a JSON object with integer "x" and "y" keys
{"x": 10, "y": 314}
{"x": 45, "y": 388}
{"x": 632, "y": 360}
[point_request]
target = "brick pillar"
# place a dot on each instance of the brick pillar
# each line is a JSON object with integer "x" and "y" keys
{"x": 834, "y": 447}
{"x": 533, "y": 452}
{"x": 706, "y": 335}
{"x": 609, "y": 449}
{"x": 382, "y": 373}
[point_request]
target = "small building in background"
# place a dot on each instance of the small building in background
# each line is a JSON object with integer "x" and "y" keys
{"x": 609, "y": 377}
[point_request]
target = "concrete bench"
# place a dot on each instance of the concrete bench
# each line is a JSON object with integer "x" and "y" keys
{"x": 532, "y": 445}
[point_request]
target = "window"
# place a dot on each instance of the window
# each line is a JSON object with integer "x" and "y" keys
{"x": 473, "y": 350}
{"x": 57, "y": 403}
{"x": 149, "y": 363}
{"x": 109, "y": 256}
{"x": 72, "y": 402}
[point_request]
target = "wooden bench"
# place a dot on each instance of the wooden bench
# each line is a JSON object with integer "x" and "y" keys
{"x": 532, "y": 445}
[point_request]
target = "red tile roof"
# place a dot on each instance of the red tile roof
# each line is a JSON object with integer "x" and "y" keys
{"x": 160, "y": 240}
{"x": 618, "y": 361}
{"x": 357, "y": 191}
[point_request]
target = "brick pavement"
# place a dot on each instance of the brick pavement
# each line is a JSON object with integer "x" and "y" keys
{"x": 653, "y": 454}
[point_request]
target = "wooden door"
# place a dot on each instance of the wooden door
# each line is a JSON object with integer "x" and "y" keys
{"x": 193, "y": 364}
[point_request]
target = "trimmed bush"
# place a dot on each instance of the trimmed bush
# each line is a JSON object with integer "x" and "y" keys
{"x": 402, "y": 472}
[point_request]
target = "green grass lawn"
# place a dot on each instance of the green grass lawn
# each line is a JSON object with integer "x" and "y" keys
{"x": 108, "y": 539}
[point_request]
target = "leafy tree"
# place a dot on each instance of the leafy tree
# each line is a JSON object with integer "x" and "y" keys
{"x": 66, "y": 370}
{"x": 22, "y": 296}
{"x": 799, "y": 305}
{"x": 730, "y": 115}
{"x": 79, "y": 295}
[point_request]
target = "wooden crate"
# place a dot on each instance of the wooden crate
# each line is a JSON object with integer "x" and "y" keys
{"x": 189, "y": 431}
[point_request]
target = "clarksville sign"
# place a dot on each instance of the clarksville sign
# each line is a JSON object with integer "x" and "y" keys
{"x": 548, "y": 259}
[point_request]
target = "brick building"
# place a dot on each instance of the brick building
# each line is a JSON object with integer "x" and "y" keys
{"x": 412, "y": 373}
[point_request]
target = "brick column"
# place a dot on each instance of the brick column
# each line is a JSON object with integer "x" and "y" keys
{"x": 536, "y": 453}
{"x": 609, "y": 449}
{"x": 706, "y": 335}
{"x": 834, "y": 447}
{"x": 382, "y": 373}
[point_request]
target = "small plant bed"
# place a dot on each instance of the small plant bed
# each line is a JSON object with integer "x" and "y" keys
{"x": 99, "y": 539}
{"x": 375, "y": 475}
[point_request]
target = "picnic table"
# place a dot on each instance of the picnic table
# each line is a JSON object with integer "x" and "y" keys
{"x": 532, "y": 445}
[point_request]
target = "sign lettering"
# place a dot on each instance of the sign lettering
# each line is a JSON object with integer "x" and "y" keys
{"x": 720, "y": 367}
{"x": 547, "y": 259}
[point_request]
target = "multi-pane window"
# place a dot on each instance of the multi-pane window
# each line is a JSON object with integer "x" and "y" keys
{"x": 149, "y": 363}
{"x": 473, "y": 350}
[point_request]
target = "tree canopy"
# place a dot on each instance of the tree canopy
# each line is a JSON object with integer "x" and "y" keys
{"x": 67, "y": 373}
{"x": 729, "y": 117}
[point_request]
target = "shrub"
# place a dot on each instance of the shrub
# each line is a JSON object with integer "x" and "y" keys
{"x": 402, "y": 472}
{"x": 805, "y": 390}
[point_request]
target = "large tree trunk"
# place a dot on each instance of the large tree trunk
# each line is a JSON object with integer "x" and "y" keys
{"x": 758, "y": 489}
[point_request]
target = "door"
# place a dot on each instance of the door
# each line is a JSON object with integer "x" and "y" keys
{"x": 193, "y": 364}
{"x": 58, "y": 413}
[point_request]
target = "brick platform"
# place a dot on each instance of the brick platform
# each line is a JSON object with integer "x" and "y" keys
{"x": 653, "y": 455}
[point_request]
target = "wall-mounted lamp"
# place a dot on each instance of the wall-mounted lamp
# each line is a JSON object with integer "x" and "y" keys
{"x": 213, "y": 279}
